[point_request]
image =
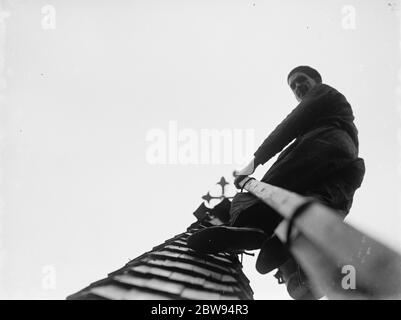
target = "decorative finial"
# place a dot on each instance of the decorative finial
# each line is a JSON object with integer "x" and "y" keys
{"x": 223, "y": 183}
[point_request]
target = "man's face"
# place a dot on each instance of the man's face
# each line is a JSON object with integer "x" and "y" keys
{"x": 300, "y": 84}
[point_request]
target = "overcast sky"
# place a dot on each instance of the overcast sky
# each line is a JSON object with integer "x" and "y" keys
{"x": 104, "y": 105}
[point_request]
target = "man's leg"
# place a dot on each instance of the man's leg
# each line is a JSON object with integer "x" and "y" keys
{"x": 336, "y": 191}
{"x": 311, "y": 161}
{"x": 260, "y": 216}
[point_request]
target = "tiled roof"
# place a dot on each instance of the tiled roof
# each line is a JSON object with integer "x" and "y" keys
{"x": 172, "y": 270}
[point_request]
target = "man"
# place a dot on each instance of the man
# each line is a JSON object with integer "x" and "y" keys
{"x": 322, "y": 163}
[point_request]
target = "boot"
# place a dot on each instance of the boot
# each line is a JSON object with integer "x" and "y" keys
{"x": 226, "y": 239}
{"x": 297, "y": 283}
{"x": 272, "y": 255}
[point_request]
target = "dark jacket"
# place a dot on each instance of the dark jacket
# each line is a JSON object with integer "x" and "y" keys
{"x": 323, "y": 160}
{"x": 321, "y": 108}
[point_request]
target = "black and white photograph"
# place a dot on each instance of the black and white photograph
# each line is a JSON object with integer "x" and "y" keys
{"x": 200, "y": 150}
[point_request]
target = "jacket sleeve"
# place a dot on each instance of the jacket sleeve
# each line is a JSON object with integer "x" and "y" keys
{"x": 298, "y": 121}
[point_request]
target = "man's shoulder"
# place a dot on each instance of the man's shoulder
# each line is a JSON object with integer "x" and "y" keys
{"x": 332, "y": 92}
{"x": 321, "y": 91}
{"x": 325, "y": 87}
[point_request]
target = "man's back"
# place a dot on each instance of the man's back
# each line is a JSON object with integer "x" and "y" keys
{"x": 321, "y": 110}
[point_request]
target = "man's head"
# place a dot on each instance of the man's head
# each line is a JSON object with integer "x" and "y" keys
{"x": 302, "y": 79}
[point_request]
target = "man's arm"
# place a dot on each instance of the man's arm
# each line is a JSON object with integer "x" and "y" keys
{"x": 299, "y": 120}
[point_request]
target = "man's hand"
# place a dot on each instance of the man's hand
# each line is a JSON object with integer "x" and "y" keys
{"x": 242, "y": 174}
{"x": 249, "y": 169}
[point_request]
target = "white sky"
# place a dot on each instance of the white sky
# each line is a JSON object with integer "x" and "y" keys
{"x": 79, "y": 196}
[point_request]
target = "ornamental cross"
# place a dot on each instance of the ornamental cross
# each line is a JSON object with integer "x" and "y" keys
{"x": 223, "y": 195}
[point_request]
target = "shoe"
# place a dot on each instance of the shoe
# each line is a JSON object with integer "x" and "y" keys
{"x": 297, "y": 283}
{"x": 272, "y": 255}
{"x": 226, "y": 239}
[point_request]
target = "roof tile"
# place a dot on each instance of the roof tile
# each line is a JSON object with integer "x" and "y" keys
{"x": 130, "y": 279}
{"x": 189, "y": 293}
{"x": 218, "y": 287}
{"x": 139, "y": 294}
{"x": 227, "y": 278}
{"x": 141, "y": 268}
{"x": 187, "y": 278}
{"x": 167, "y": 286}
{"x": 110, "y": 291}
